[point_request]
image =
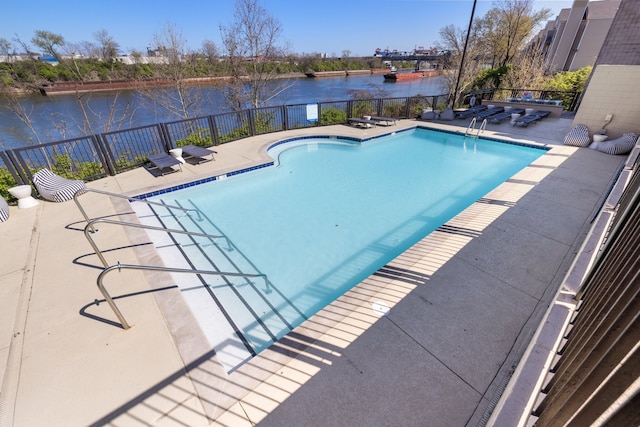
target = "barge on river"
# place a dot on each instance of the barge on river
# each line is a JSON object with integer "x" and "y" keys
{"x": 65, "y": 88}
{"x": 395, "y": 76}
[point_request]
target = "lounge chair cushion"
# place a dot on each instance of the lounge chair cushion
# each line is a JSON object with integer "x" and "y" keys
{"x": 4, "y": 210}
{"x": 56, "y": 188}
{"x": 447, "y": 114}
{"x": 578, "y": 136}
{"x": 621, "y": 145}
{"x": 430, "y": 115}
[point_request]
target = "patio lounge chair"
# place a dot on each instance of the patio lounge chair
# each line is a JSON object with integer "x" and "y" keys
{"x": 163, "y": 161}
{"x": 366, "y": 122}
{"x": 386, "y": 120}
{"x": 193, "y": 151}
{"x": 470, "y": 112}
{"x": 56, "y": 188}
{"x": 534, "y": 117}
{"x": 498, "y": 118}
{"x": 489, "y": 112}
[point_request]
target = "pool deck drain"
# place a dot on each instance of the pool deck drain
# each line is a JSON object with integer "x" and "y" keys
{"x": 464, "y": 303}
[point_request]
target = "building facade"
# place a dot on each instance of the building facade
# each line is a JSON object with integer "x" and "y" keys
{"x": 575, "y": 38}
{"x": 614, "y": 84}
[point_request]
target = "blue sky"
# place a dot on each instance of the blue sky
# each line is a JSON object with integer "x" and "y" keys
{"x": 327, "y": 26}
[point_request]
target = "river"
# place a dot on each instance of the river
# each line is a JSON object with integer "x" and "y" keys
{"x": 59, "y": 117}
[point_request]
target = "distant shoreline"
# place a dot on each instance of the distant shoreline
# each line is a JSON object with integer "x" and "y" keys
{"x": 65, "y": 88}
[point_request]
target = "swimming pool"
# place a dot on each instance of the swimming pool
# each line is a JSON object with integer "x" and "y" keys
{"x": 328, "y": 214}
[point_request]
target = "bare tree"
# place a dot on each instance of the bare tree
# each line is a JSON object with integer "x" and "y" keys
{"x": 14, "y": 105}
{"x": 252, "y": 47}
{"x": 517, "y": 20}
{"x": 210, "y": 51}
{"x": 24, "y": 46}
{"x": 5, "y": 47}
{"x": 179, "y": 99}
{"x": 94, "y": 122}
{"x": 527, "y": 71}
{"x": 48, "y": 42}
{"x": 452, "y": 39}
{"x": 85, "y": 49}
{"x": 496, "y": 40}
{"x": 107, "y": 46}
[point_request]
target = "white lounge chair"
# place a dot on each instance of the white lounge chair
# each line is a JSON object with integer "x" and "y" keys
{"x": 56, "y": 188}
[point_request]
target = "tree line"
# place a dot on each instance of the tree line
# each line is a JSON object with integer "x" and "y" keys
{"x": 498, "y": 54}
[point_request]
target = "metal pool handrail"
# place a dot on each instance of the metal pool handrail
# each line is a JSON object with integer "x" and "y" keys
{"x": 98, "y": 252}
{"x": 119, "y": 266}
{"x": 472, "y": 125}
{"x": 122, "y": 196}
{"x": 482, "y": 128}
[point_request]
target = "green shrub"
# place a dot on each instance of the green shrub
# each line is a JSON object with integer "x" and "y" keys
{"x": 65, "y": 167}
{"x": 362, "y": 109}
{"x": 201, "y": 138}
{"x": 333, "y": 116}
{"x": 6, "y": 182}
{"x": 237, "y": 133}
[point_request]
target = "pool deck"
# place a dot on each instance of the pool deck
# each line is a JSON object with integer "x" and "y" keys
{"x": 464, "y": 304}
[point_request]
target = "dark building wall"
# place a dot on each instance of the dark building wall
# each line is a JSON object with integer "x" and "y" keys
{"x": 622, "y": 44}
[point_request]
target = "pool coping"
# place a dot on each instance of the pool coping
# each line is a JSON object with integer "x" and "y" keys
{"x": 267, "y": 151}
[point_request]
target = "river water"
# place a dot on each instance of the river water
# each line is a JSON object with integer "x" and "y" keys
{"x": 59, "y": 117}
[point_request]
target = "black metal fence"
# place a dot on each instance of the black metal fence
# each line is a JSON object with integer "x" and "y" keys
{"x": 96, "y": 156}
{"x": 542, "y": 96}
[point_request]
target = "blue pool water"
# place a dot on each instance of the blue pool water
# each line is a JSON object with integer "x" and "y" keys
{"x": 329, "y": 214}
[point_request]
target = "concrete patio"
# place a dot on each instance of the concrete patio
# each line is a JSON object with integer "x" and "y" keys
{"x": 465, "y": 302}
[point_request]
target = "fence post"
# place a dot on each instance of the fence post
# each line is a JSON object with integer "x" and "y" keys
{"x": 12, "y": 165}
{"x": 106, "y": 157}
{"x": 164, "y": 135}
{"x": 285, "y": 117}
{"x": 215, "y": 137}
{"x": 252, "y": 123}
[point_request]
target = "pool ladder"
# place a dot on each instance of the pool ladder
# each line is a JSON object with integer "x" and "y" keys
{"x": 472, "y": 127}
{"x": 90, "y": 229}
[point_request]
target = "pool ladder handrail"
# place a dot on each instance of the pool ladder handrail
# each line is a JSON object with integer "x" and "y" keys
{"x": 119, "y": 267}
{"x": 89, "y": 226}
{"x": 482, "y": 128}
{"x": 472, "y": 126}
{"x": 108, "y": 268}
{"x": 90, "y": 229}
{"x": 122, "y": 196}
